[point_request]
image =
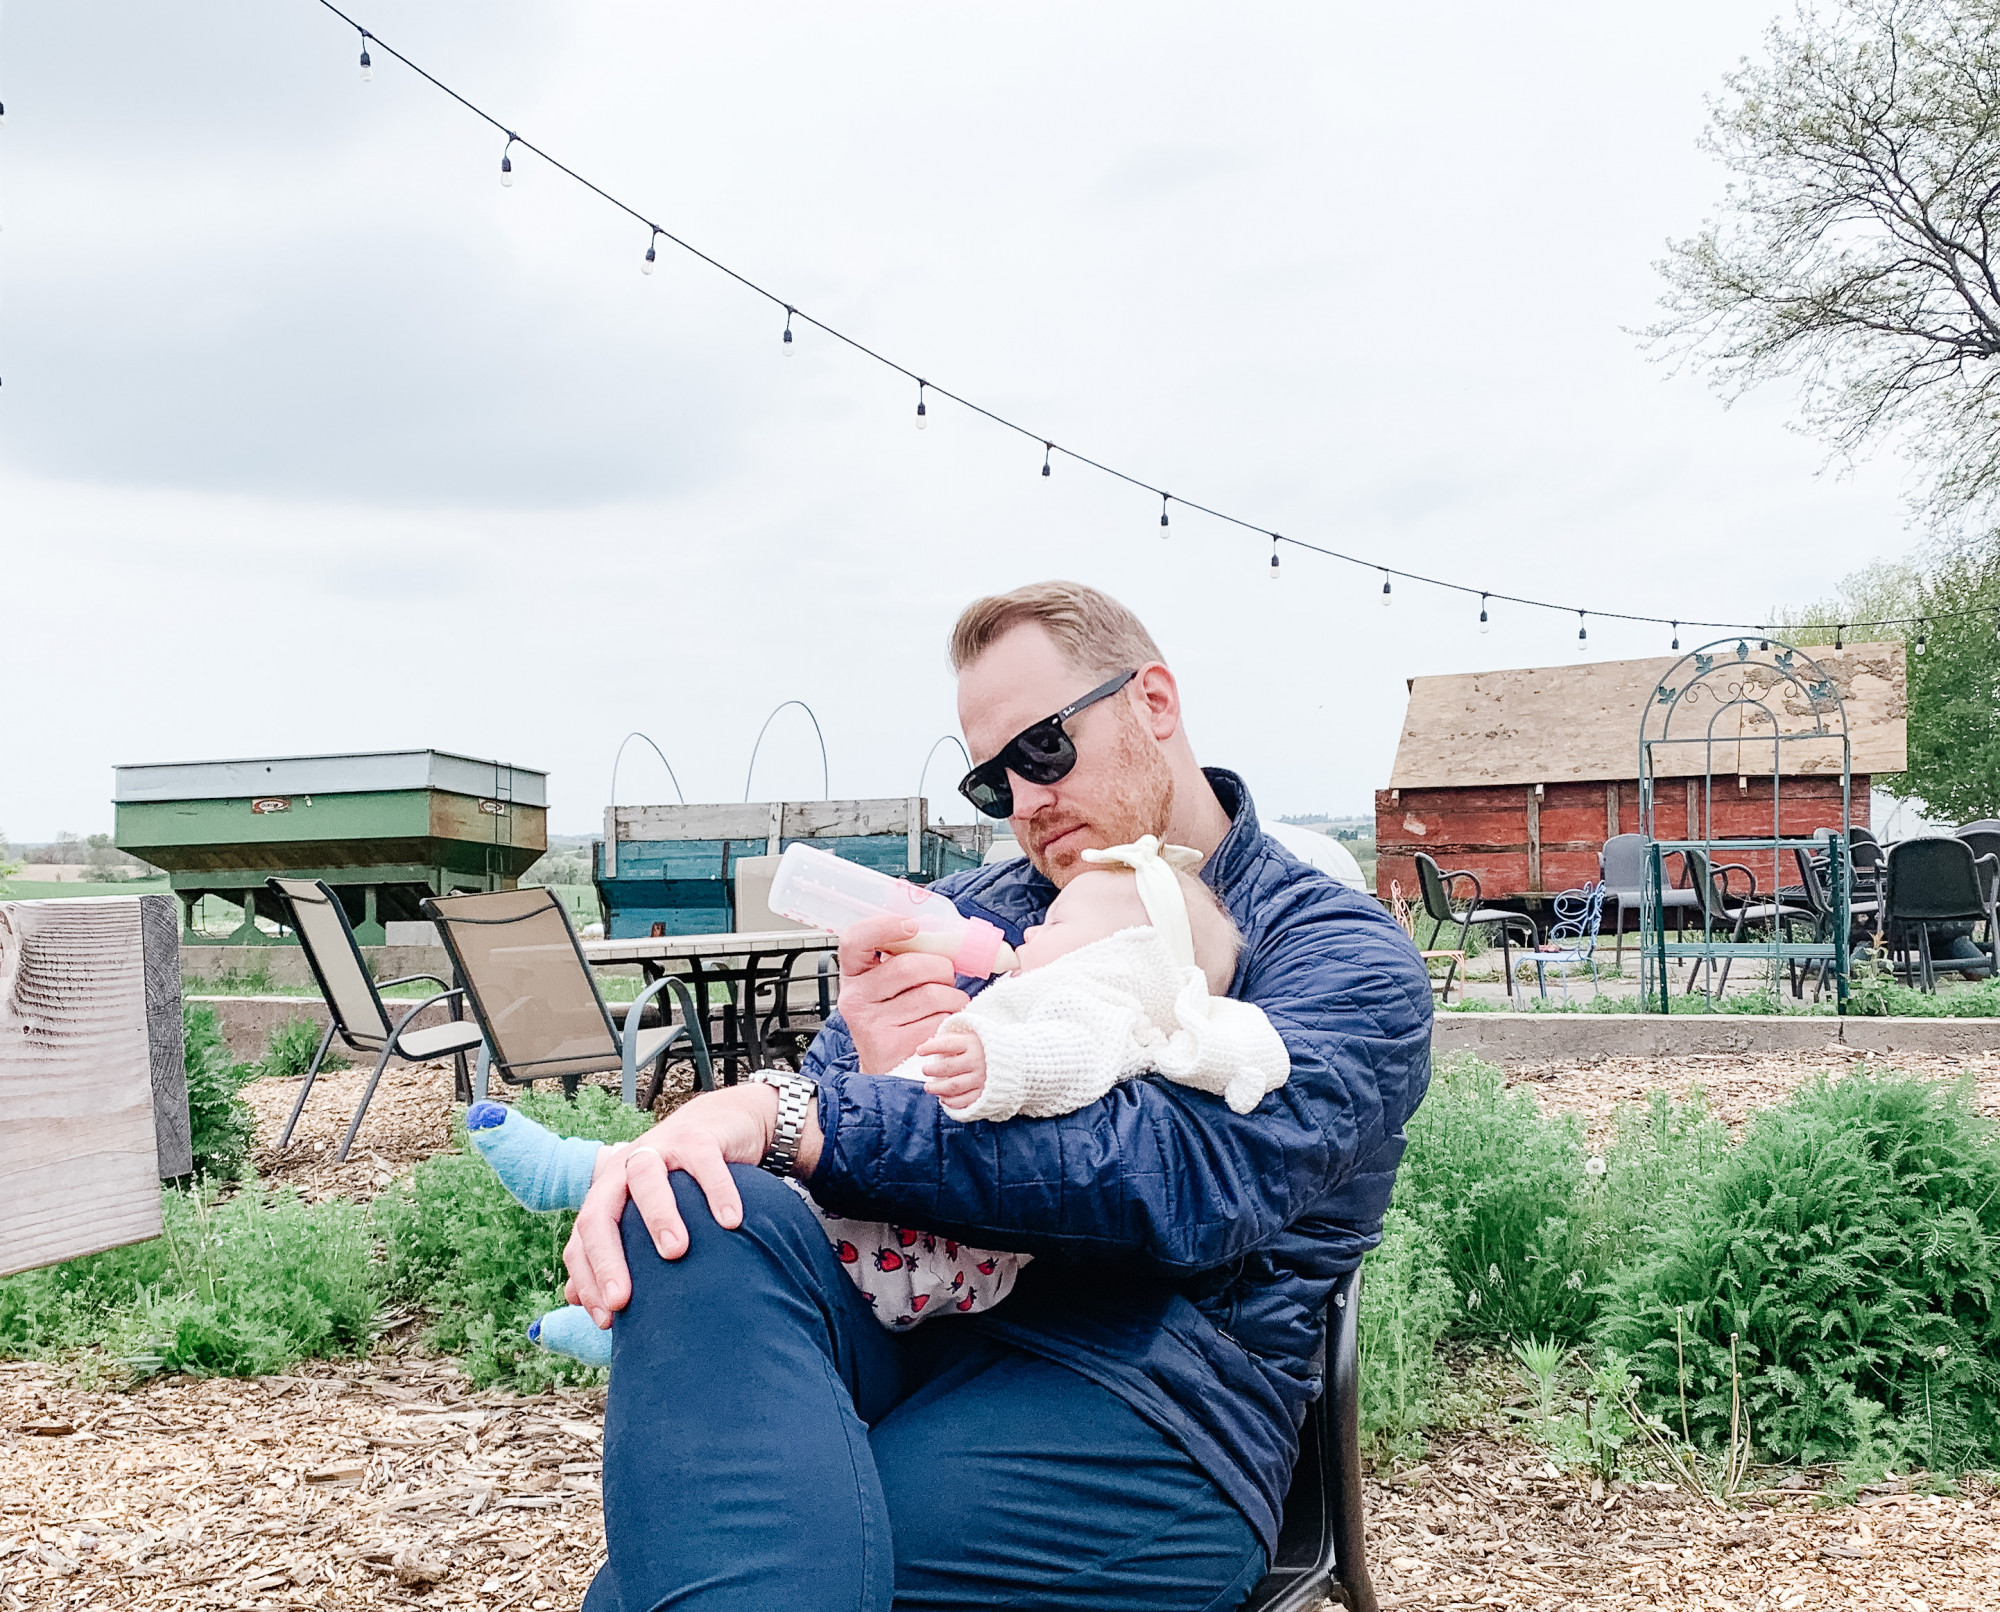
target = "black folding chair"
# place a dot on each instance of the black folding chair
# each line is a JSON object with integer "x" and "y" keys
{"x": 354, "y": 1007}
{"x": 1321, "y": 1539}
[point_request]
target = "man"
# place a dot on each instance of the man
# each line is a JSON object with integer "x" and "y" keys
{"x": 1121, "y": 1431}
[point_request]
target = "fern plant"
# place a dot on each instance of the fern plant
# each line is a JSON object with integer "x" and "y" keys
{"x": 1852, "y": 1241}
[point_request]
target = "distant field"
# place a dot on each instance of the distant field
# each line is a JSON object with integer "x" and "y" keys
{"x": 27, "y": 889}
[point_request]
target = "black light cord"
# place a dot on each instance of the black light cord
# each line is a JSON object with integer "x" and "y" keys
{"x": 659, "y": 232}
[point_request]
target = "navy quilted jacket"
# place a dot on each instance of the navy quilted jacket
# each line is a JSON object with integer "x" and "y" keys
{"x": 1183, "y": 1253}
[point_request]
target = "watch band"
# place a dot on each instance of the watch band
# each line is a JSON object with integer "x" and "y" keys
{"x": 795, "y": 1097}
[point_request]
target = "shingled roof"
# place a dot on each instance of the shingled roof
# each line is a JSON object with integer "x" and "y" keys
{"x": 1547, "y": 724}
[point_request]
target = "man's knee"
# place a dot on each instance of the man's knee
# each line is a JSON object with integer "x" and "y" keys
{"x": 774, "y": 1216}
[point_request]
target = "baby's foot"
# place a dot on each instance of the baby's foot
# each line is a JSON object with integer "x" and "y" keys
{"x": 542, "y": 1170}
{"x": 570, "y": 1331}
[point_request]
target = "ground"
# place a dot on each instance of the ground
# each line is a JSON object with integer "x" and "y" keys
{"x": 387, "y": 1482}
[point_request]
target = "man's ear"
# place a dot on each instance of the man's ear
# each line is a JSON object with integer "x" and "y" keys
{"x": 1159, "y": 701}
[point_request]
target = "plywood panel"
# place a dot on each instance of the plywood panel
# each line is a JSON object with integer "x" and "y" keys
{"x": 78, "y": 1149}
{"x": 1544, "y": 725}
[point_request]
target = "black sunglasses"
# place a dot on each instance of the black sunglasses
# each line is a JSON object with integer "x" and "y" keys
{"x": 1042, "y": 753}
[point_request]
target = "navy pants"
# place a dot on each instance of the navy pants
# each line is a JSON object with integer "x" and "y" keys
{"x": 769, "y": 1445}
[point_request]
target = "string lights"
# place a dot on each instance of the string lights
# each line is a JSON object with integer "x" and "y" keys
{"x": 1923, "y": 628}
{"x": 1582, "y": 633}
{"x": 924, "y": 387}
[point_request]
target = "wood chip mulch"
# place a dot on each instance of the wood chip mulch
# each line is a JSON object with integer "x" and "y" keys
{"x": 1486, "y": 1523}
{"x": 1736, "y": 1084}
{"x": 360, "y": 1484}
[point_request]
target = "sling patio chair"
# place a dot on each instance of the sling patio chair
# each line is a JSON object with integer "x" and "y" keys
{"x": 538, "y": 1004}
{"x": 1940, "y": 882}
{"x": 1320, "y": 1537}
{"x": 355, "y": 1010}
{"x": 1621, "y": 866}
{"x": 1435, "y": 888}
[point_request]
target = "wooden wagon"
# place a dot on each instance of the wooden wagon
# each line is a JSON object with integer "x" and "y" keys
{"x": 1519, "y": 776}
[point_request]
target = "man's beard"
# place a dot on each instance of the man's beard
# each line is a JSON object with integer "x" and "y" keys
{"x": 1143, "y": 803}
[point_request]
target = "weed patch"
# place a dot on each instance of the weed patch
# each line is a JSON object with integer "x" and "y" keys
{"x": 222, "y": 1124}
{"x": 241, "y": 1288}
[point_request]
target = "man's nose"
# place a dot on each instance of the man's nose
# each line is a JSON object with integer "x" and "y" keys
{"x": 1030, "y": 798}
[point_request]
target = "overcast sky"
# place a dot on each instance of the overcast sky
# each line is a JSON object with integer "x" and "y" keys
{"x": 313, "y": 438}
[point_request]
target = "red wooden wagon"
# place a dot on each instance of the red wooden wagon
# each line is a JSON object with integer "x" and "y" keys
{"x": 1519, "y": 776}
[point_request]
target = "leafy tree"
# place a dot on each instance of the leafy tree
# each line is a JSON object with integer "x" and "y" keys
{"x": 1954, "y": 743}
{"x": 1857, "y": 248}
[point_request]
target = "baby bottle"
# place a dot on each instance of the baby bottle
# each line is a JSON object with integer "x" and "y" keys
{"x": 829, "y": 892}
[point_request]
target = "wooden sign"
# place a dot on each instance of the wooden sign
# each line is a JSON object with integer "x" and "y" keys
{"x": 93, "y": 1095}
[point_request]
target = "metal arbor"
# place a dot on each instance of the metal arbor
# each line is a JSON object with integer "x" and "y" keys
{"x": 1751, "y": 707}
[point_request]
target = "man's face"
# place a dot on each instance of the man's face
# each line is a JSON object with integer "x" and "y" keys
{"x": 1121, "y": 786}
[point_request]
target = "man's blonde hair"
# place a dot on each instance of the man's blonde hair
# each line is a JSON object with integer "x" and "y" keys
{"x": 1097, "y": 634}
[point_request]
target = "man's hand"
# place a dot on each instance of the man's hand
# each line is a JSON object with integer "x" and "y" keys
{"x": 891, "y": 1003}
{"x": 954, "y": 1066}
{"x": 704, "y": 1136}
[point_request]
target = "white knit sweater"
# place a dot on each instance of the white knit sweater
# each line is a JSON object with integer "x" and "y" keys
{"x": 1061, "y": 1036}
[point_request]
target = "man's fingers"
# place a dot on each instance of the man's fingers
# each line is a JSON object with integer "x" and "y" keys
{"x": 861, "y": 942}
{"x": 653, "y": 1194}
{"x": 711, "y": 1173}
{"x": 922, "y": 1003}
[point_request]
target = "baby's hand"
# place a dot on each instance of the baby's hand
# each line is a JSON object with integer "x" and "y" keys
{"x": 954, "y": 1066}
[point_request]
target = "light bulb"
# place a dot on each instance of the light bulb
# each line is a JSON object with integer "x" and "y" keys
{"x": 1163, "y": 512}
{"x": 1386, "y": 601}
{"x": 367, "y": 67}
{"x": 1049, "y": 448}
{"x": 646, "y": 267}
{"x": 1920, "y": 640}
{"x": 1484, "y": 624}
{"x": 923, "y": 420}
{"x": 1582, "y": 633}
{"x": 1677, "y": 635}
{"x": 1274, "y": 565}
{"x": 506, "y": 169}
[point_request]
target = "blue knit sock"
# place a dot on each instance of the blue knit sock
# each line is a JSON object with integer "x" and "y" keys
{"x": 542, "y": 1170}
{"x": 570, "y": 1331}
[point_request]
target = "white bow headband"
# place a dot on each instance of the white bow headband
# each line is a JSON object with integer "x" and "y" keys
{"x": 1153, "y": 869}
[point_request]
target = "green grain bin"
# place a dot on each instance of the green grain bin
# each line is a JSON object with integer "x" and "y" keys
{"x": 384, "y": 829}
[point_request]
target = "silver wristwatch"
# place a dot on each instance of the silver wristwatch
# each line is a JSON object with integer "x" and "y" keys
{"x": 796, "y": 1095}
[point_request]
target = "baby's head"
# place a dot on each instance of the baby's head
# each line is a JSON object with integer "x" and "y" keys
{"x": 1098, "y": 903}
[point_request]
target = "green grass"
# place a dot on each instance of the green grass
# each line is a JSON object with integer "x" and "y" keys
{"x": 28, "y": 888}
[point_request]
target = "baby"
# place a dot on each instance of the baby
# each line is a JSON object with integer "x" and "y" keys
{"x": 1123, "y": 976}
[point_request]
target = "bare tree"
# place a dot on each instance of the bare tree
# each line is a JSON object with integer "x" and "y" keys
{"x": 1856, "y": 247}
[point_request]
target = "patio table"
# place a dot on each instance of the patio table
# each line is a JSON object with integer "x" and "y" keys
{"x": 744, "y": 965}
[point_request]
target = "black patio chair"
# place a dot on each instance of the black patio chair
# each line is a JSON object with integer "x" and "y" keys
{"x": 1985, "y": 842}
{"x": 1935, "y": 881}
{"x": 538, "y": 1004}
{"x": 1435, "y": 887}
{"x": 354, "y": 1007}
{"x": 1320, "y": 1539}
{"x": 1621, "y": 868}
{"x": 1867, "y": 858}
{"x": 1811, "y": 892}
{"x": 1721, "y": 908}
